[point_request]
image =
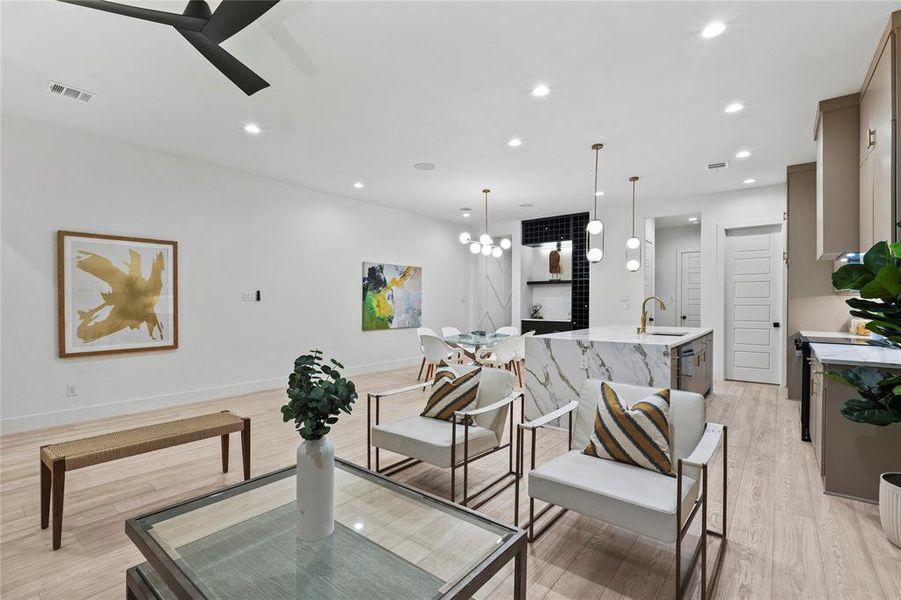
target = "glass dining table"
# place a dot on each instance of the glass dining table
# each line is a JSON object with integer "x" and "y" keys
{"x": 475, "y": 340}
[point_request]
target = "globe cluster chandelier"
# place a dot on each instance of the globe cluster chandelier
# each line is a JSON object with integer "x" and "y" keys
{"x": 485, "y": 244}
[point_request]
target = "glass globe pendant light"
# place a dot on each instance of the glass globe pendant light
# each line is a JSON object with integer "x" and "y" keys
{"x": 595, "y": 227}
{"x": 633, "y": 244}
{"x": 485, "y": 244}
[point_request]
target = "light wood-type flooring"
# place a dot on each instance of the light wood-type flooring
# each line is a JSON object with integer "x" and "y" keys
{"x": 786, "y": 538}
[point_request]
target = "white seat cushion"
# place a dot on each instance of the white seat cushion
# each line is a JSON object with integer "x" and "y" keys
{"x": 429, "y": 440}
{"x": 630, "y": 497}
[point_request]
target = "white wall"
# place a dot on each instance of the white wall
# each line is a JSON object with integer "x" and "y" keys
{"x": 670, "y": 241}
{"x": 303, "y": 249}
{"x": 616, "y": 294}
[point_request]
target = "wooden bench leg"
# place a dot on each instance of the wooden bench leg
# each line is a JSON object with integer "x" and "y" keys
{"x": 45, "y": 495}
{"x": 245, "y": 447}
{"x": 58, "y": 488}
{"x": 225, "y": 453}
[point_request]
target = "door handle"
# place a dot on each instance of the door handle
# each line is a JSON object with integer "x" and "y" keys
{"x": 776, "y": 324}
{"x": 684, "y": 317}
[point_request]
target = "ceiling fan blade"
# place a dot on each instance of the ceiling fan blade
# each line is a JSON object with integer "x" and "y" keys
{"x": 228, "y": 65}
{"x": 234, "y": 15}
{"x": 157, "y": 16}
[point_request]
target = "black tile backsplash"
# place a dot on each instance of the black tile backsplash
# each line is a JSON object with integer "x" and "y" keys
{"x": 556, "y": 229}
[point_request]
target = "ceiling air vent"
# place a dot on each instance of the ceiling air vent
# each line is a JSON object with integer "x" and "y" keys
{"x": 718, "y": 165}
{"x": 61, "y": 89}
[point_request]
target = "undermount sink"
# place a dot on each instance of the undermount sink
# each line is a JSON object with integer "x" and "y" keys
{"x": 668, "y": 333}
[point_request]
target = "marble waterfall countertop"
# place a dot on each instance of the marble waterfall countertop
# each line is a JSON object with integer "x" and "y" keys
{"x": 558, "y": 363}
{"x": 857, "y": 355}
{"x": 628, "y": 334}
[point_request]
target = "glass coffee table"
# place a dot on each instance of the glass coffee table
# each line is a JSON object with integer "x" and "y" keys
{"x": 390, "y": 541}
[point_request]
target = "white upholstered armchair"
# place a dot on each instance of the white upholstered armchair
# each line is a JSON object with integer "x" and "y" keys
{"x": 450, "y": 444}
{"x": 634, "y": 498}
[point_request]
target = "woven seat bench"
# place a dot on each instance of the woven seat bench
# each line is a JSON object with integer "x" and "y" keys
{"x": 56, "y": 459}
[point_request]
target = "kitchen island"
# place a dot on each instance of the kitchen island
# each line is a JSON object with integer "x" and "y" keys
{"x": 665, "y": 357}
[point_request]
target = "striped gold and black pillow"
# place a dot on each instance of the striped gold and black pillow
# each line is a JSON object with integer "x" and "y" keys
{"x": 638, "y": 436}
{"x": 451, "y": 392}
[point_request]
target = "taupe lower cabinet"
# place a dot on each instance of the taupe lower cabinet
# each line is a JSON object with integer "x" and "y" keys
{"x": 850, "y": 455}
{"x": 816, "y": 411}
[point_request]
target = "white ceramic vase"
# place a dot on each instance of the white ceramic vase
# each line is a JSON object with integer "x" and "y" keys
{"x": 315, "y": 489}
{"x": 890, "y": 506}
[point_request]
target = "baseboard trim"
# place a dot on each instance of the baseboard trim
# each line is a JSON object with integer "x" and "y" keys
{"x": 135, "y": 405}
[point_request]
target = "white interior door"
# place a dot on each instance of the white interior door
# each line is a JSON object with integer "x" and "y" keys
{"x": 690, "y": 289}
{"x": 753, "y": 299}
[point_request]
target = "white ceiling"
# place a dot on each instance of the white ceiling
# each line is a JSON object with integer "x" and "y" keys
{"x": 360, "y": 91}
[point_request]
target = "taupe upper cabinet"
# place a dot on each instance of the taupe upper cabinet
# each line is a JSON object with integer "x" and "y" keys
{"x": 877, "y": 144}
{"x": 838, "y": 170}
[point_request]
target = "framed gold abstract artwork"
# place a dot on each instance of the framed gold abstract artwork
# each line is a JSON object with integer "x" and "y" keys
{"x": 116, "y": 294}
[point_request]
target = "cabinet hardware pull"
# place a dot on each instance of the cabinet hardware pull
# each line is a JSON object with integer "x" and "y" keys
{"x": 871, "y": 138}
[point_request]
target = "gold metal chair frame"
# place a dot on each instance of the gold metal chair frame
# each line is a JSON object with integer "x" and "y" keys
{"x": 460, "y": 418}
{"x": 681, "y": 529}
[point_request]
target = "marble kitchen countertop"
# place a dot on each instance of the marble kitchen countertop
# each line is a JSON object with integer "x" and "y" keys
{"x": 833, "y": 334}
{"x": 870, "y": 356}
{"x": 627, "y": 334}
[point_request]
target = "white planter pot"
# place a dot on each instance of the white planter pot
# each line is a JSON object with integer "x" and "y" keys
{"x": 890, "y": 506}
{"x": 315, "y": 489}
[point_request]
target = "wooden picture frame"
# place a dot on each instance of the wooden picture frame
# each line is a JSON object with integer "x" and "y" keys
{"x": 99, "y": 310}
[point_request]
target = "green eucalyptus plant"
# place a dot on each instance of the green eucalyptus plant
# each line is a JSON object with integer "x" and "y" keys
{"x": 878, "y": 279}
{"x": 317, "y": 394}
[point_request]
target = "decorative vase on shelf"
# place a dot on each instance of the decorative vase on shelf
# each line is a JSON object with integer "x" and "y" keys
{"x": 315, "y": 489}
{"x": 890, "y": 506}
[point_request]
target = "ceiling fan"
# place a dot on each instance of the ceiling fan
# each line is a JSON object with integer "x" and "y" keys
{"x": 204, "y": 29}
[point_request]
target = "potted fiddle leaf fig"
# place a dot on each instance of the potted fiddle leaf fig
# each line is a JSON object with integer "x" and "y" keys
{"x": 317, "y": 394}
{"x": 878, "y": 280}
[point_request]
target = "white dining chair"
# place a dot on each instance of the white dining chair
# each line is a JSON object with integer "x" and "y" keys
{"x": 449, "y": 331}
{"x": 437, "y": 350}
{"x": 519, "y": 358}
{"x": 509, "y": 330}
{"x": 501, "y": 355}
{"x": 421, "y": 331}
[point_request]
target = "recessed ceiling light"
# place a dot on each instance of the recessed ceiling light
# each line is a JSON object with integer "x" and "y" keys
{"x": 599, "y": 193}
{"x": 465, "y": 215}
{"x": 424, "y": 166}
{"x": 749, "y": 181}
{"x": 540, "y": 91}
{"x": 692, "y": 219}
{"x": 252, "y": 128}
{"x": 713, "y": 29}
{"x": 513, "y": 143}
{"x": 743, "y": 154}
{"x": 735, "y": 107}
{"x": 359, "y": 185}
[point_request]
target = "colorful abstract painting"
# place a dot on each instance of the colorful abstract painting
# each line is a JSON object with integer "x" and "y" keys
{"x": 116, "y": 294}
{"x": 392, "y": 296}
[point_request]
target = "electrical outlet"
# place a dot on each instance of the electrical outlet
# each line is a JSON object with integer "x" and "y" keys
{"x": 71, "y": 389}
